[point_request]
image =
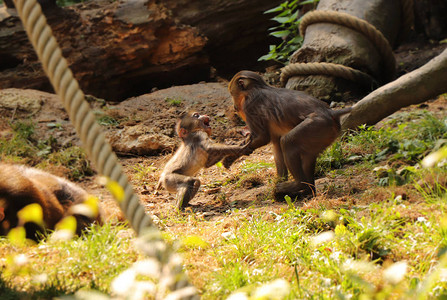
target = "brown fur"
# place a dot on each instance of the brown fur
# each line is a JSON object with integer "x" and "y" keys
{"x": 298, "y": 125}
{"x": 196, "y": 151}
{"x": 21, "y": 186}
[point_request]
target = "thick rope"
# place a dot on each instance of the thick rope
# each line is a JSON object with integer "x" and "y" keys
{"x": 331, "y": 69}
{"x": 357, "y": 24}
{"x": 93, "y": 139}
{"x": 79, "y": 111}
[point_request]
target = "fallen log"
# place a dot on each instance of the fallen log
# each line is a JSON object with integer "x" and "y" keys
{"x": 119, "y": 49}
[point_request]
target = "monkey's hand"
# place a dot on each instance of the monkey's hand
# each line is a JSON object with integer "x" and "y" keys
{"x": 229, "y": 160}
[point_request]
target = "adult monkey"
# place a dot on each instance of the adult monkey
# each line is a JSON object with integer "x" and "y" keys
{"x": 196, "y": 151}
{"x": 21, "y": 185}
{"x": 298, "y": 125}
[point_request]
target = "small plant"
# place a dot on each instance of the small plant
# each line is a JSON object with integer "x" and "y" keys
{"x": 250, "y": 167}
{"x": 106, "y": 120}
{"x": 173, "y": 101}
{"x": 332, "y": 158}
{"x": 143, "y": 172}
{"x": 287, "y": 30}
{"x": 20, "y": 144}
{"x": 62, "y": 3}
{"x": 73, "y": 158}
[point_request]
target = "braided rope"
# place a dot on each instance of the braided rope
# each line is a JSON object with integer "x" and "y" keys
{"x": 362, "y": 26}
{"x": 66, "y": 86}
{"x": 322, "y": 68}
{"x": 95, "y": 144}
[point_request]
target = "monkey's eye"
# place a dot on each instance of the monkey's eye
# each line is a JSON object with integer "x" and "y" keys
{"x": 196, "y": 115}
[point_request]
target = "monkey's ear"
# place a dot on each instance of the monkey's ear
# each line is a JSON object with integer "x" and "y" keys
{"x": 182, "y": 133}
{"x": 243, "y": 83}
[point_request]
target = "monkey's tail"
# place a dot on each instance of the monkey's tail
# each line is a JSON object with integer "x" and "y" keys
{"x": 336, "y": 114}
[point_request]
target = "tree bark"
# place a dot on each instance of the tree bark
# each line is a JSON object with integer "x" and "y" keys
{"x": 431, "y": 18}
{"x": 415, "y": 87}
{"x": 119, "y": 49}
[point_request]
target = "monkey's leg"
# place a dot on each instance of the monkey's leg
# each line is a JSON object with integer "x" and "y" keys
{"x": 301, "y": 146}
{"x": 281, "y": 168}
{"x": 186, "y": 192}
{"x": 185, "y": 186}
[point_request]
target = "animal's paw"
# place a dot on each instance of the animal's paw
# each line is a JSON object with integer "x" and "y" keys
{"x": 294, "y": 190}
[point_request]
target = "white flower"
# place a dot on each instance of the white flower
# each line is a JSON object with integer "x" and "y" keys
{"x": 323, "y": 237}
{"x": 238, "y": 296}
{"x": 358, "y": 266}
{"x": 21, "y": 260}
{"x": 276, "y": 289}
{"x": 148, "y": 267}
{"x": 40, "y": 278}
{"x": 396, "y": 272}
{"x": 228, "y": 235}
{"x": 123, "y": 283}
{"x": 62, "y": 235}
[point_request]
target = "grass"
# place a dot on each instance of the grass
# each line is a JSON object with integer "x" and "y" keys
{"x": 54, "y": 268}
{"x": 174, "y": 101}
{"x": 24, "y": 146}
{"x": 385, "y": 239}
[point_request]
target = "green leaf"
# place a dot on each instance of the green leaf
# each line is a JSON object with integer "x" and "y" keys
{"x": 280, "y": 34}
{"x": 266, "y": 57}
{"x": 289, "y": 201}
{"x": 17, "y": 236}
{"x": 309, "y": 2}
{"x": 275, "y": 9}
{"x": 31, "y": 213}
{"x": 194, "y": 241}
{"x": 67, "y": 223}
{"x": 281, "y": 20}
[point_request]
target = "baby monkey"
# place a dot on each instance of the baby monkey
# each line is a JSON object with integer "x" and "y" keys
{"x": 196, "y": 151}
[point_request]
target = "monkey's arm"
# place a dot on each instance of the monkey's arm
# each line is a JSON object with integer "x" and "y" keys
{"x": 254, "y": 141}
{"x": 217, "y": 152}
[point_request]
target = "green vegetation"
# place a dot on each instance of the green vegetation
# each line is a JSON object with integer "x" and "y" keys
{"x": 287, "y": 30}
{"x": 401, "y": 142}
{"x": 387, "y": 240}
{"x": 23, "y": 146}
{"x": 62, "y": 3}
{"x": 174, "y": 101}
{"x": 58, "y": 267}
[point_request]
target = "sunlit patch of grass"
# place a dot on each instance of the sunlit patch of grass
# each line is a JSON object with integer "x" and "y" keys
{"x": 174, "y": 101}
{"x": 54, "y": 268}
{"x": 250, "y": 167}
{"x": 23, "y": 146}
{"x": 74, "y": 159}
{"x": 351, "y": 261}
{"x": 143, "y": 173}
{"x": 19, "y": 144}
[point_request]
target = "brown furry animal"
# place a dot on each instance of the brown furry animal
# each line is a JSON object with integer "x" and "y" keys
{"x": 21, "y": 186}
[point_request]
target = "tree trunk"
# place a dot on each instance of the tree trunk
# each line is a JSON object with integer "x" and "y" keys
{"x": 431, "y": 18}
{"x": 415, "y": 87}
{"x": 328, "y": 42}
{"x": 119, "y": 49}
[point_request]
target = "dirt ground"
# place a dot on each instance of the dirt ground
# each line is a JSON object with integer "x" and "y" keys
{"x": 222, "y": 190}
{"x": 149, "y": 121}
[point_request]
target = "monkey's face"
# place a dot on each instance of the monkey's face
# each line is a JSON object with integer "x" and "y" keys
{"x": 203, "y": 122}
{"x": 241, "y": 86}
